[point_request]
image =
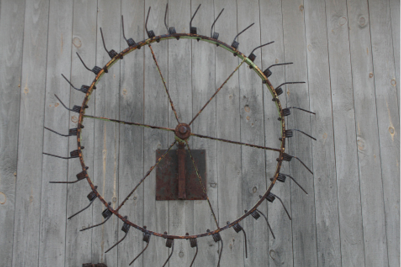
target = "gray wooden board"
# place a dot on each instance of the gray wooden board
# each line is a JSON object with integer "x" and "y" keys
{"x": 395, "y": 33}
{"x": 350, "y": 216}
{"x": 11, "y": 26}
{"x": 106, "y": 138}
{"x": 29, "y": 171}
{"x": 203, "y": 87}
{"x": 388, "y": 121}
{"x": 79, "y": 244}
{"x": 251, "y": 110}
{"x": 131, "y": 137}
{"x": 156, "y": 112}
{"x": 54, "y": 196}
{"x": 280, "y": 248}
{"x": 228, "y": 127}
{"x": 302, "y": 206}
{"x": 367, "y": 136}
{"x": 324, "y": 168}
{"x": 181, "y": 216}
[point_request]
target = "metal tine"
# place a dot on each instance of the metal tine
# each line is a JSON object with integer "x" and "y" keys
{"x": 217, "y": 238}
{"x": 235, "y": 44}
{"x": 252, "y": 56}
{"x": 95, "y": 69}
{"x": 64, "y": 135}
{"x": 106, "y": 214}
{"x": 130, "y": 41}
{"x": 288, "y": 83}
{"x": 282, "y": 203}
{"x": 288, "y": 157}
{"x": 92, "y": 196}
{"x": 146, "y": 238}
{"x": 84, "y": 88}
{"x": 268, "y": 224}
{"x": 193, "y": 30}
{"x": 111, "y": 53}
{"x": 125, "y": 229}
{"x": 295, "y": 182}
{"x": 80, "y": 176}
{"x": 150, "y": 33}
{"x": 74, "y": 109}
{"x": 304, "y": 133}
{"x": 271, "y": 197}
{"x": 194, "y": 243}
{"x": 267, "y": 71}
{"x": 238, "y": 228}
{"x": 304, "y": 110}
{"x": 60, "y": 157}
{"x": 169, "y": 244}
{"x": 212, "y": 34}
{"x": 170, "y": 30}
{"x": 279, "y": 90}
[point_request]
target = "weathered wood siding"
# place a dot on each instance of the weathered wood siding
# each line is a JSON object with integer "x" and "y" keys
{"x": 347, "y": 52}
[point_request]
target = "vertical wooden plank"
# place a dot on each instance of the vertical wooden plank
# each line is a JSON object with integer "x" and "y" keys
{"x": 302, "y": 206}
{"x": 324, "y": 168}
{"x": 179, "y": 76}
{"x": 228, "y": 127}
{"x": 131, "y": 137}
{"x": 155, "y": 113}
{"x": 252, "y": 131}
{"x": 388, "y": 121}
{"x": 349, "y": 198}
{"x": 53, "y": 198}
{"x": 28, "y": 193}
{"x": 367, "y": 135}
{"x": 395, "y": 33}
{"x": 203, "y": 87}
{"x": 106, "y": 153}
{"x": 79, "y": 244}
{"x": 280, "y": 248}
{"x": 11, "y": 27}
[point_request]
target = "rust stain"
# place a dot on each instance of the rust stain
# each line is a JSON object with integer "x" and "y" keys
{"x": 247, "y": 109}
{"x": 26, "y": 89}
{"x": 391, "y": 128}
{"x": 3, "y": 198}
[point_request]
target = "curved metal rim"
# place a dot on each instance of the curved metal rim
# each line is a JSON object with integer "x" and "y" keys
{"x": 199, "y": 38}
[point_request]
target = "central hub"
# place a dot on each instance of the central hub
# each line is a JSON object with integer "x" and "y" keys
{"x": 183, "y": 131}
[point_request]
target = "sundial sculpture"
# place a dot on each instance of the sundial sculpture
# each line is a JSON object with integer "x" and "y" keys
{"x": 188, "y": 180}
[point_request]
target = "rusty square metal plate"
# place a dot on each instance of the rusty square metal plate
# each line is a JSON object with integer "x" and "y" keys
{"x": 167, "y": 175}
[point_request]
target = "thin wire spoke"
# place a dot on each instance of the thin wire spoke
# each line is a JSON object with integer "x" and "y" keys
{"x": 200, "y": 181}
{"x": 146, "y": 175}
{"x": 130, "y": 123}
{"x": 235, "y": 142}
{"x": 164, "y": 84}
{"x": 215, "y": 93}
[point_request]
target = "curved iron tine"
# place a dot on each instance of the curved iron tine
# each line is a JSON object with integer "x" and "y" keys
{"x": 288, "y": 83}
{"x": 268, "y": 225}
{"x": 146, "y": 238}
{"x": 129, "y": 41}
{"x": 194, "y": 243}
{"x": 83, "y": 63}
{"x": 238, "y": 228}
{"x": 267, "y": 72}
{"x": 235, "y": 44}
{"x": 56, "y": 156}
{"x": 165, "y": 17}
{"x": 64, "y": 135}
{"x": 282, "y": 203}
{"x": 91, "y": 196}
{"x": 169, "y": 243}
{"x": 212, "y": 34}
{"x": 84, "y": 88}
{"x": 296, "y": 182}
{"x": 125, "y": 229}
{"x": 217, "y": 238}
{"x": 304, "y": 133}
{"x": 308, "y": 111}
{"x": 193, "y": 30}
{"x": 300, "y": 162}
{"x": 62, "y": 182}
{"x": 252, "y": 56}
{"x": 221, "y": 252}
{"x": 80, "y": 176}
{"x": 106, "y": 215}
{"x": 74, "y": 109}
{"x": 104, "y": 44}
{"x": 150, "y": 33}
{"x": 70, "y": 82}
{"x": 117, "y": 243}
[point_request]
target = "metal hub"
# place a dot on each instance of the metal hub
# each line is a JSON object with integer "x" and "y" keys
{"x": 183, "y": 131}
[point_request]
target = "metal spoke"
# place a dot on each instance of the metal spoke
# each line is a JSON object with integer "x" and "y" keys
{"x": 130, "y": 123}
{"x": 235, "y": 142}
{"x": 200, "y": 181}
{"x": 215, "y": 93}
{"x": 164, "y": 84}
{"x": 146, "y": 175}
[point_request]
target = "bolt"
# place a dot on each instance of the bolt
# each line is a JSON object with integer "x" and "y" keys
{"x": 183, "y": 129}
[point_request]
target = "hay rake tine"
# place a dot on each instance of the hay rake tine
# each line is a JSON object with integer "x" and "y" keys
{"x": 111, "y": 53}
{"x": 92, "y": 196}
{"x": 76, "y": 109}
{"x": 267, "y": 222}
{"x": 169, "y": 244}
{"x": 106, "y": 215}
{"x": 271, "y": 197}
{"x": 194, "y": 243}
{"x": 281, "y": 178}
{"x": 288, "y": 110}
{"x": 170, "y": 30}
{"x": 217, "y": 238}
{"x": 252, "y": 56}
{"x": 146, "y": 238}
{"x": 150, "y": 33}
{"x": 95, "y": 69}
{"x": 71, "y": 132}
{"x": 215, "y": 35}
{"x": 193, "y": 30}
{"x": 238, "y": 228}
{"x": 268, "y": 72}
{"x": 300, "y": 132}
{"x": 279, "y": 90}
{"x": 125, "y": 229}
{"x": 74, "y": 154}
{"x": 288, "y": 157}
{"x": 84, "y": 88}
{"x": 130, "y": 41}
{"x": 235, "y": 44}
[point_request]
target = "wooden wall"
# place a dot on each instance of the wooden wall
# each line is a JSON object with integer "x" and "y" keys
{"x": 347, "y": 52}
